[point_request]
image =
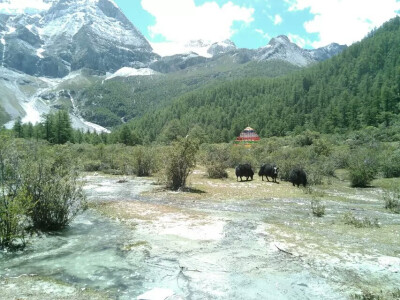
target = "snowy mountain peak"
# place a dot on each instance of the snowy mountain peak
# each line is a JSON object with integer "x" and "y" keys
{"x": 71, "y": 35}
{"x": 282, "y": 38}
{"x": 326, "y": 52}
{"x": 279, "y": 40}
{"x": 199, "y": 47}
{"x": 221, "y": 47}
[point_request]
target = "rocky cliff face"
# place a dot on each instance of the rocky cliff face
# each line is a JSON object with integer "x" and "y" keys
{"x": 71, "y": 35}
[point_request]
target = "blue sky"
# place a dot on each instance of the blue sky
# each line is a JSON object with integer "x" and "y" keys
{"x": 252, "y": 23}
{"x": 265, "y": 24}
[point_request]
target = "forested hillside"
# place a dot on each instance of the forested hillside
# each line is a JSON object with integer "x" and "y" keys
{"x": 112, "y": 102}
{"x": 358, "y": 88}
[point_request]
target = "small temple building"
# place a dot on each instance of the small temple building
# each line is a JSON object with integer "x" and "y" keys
{"x": 247, "y": 137}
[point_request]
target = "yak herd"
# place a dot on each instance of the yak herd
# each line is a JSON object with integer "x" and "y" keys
{"x": 297, "y": 176}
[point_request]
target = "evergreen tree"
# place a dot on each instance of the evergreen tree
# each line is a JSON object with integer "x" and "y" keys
{"x": 18, "y": 129}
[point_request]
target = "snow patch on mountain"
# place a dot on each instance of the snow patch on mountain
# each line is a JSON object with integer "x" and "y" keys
{"x": 127, "y": 72}
{"x": 79, "y": 122}
{"x": 39, "y": 52}
{"x": 200, "y": 47}
{"x": 281, "y": 48}
{"x": 67, "y": 17}
{"x": 221, "y": 47}
{"x": 173, "y": 48}
{"x": 71, "y": 35}
{"x": 18, "y": 101}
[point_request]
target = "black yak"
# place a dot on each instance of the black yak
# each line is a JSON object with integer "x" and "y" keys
{"x": 297, "y": 176}
{"x": 268, "y": 170}
{"x": 244, "y": 170}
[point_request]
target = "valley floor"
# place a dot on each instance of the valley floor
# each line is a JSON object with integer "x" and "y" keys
{"x": 222, "y": 239}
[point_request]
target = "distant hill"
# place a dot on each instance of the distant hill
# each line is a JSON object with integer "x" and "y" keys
{"x": 357, "y": 88}
{"x": 112, "y": 102}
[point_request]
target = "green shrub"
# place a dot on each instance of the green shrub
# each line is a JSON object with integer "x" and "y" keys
{"x": 239, "y": 155}
{"x": 361, "y": 176}
{"x": 340, "y": 157}
{"x": 15, "y": 203}
{"x": 350, "y": 219}
{"x": 363, "y": 168}
{"x": 314, "y": 176}
{"x": 392, "y": 200}
{"x": 52, "y": 181}
{"x": 379, "y": 295}
{"x": 288, "y": 158}
{"x": 307, "y": 138}
{"x": 92, "y": 166}
{"x": 179, "y": 162}
{"x": 317, "y": 208}
{"x": 391, "y": 164}
{"x": 144, "y": 160}
{"x": 321, "y": 147}
{"x": 216, "y": 160}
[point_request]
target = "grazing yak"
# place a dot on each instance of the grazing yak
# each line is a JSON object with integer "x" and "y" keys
{"x": 268, "y": 170}
{"x": 244, "y": 170}
{"x": 297, "y": 176}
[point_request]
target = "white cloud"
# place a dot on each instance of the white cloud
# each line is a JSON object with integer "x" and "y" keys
{"x": 21, "y": 6}
{"x": 277, "y": 20}
{"x": 182, "y": 20}
{"x": 298, "y": 40}
{"x": 264, "y": 34}
{"x": 344, "y": 21}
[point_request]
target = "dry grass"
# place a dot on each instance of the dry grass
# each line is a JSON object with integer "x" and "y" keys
{"x": 201, "y": 187}
{"x": 38, "y": 288}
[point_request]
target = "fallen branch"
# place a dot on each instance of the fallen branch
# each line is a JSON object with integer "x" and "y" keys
{"x": 284, "y": 251}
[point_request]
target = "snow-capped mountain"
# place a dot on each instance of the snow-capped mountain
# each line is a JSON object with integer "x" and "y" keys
{"x": 326, "y": 52}
{"x": 176, "y": 56}
{"x": 221, "y": 47}
{"x": 283, "y": 49}
{"x": 71, "y": 35}
{"x": 199, "y": 47}
{"x": 95, "y": 34}
{"x": 46, "y": 57}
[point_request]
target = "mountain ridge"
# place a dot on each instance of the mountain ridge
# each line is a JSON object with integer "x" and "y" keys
{"x": 71, "y": 35}
{"x": 95, "y": 35}
{"x": 74, "y": 34}
{"x": 356, "y": 89}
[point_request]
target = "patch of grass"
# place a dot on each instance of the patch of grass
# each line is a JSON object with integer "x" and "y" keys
{"x": 131, "y": 246}
{"x": 43, "y": 287}
{"x": 370, "y": 295}
{"x": 392, "y": 200}
{"x": 342, "y": 174}
{"x": 191, "y": 190}
{"x": 350, "y": 219}
{"x": 387, "y": 183}
{"x": 201, "y": 188}
{"x": 317, "y": 208}
{"x": 308, "y": 190}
